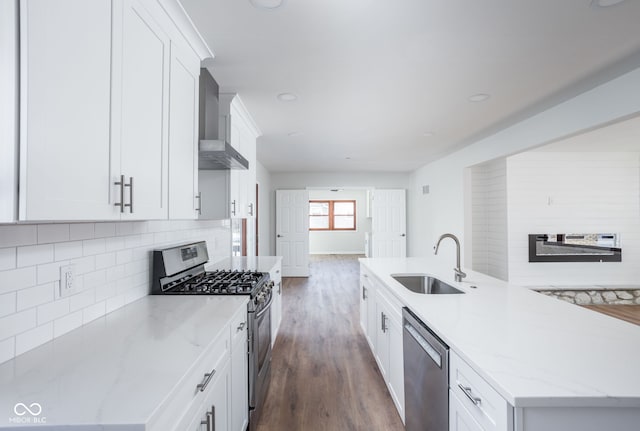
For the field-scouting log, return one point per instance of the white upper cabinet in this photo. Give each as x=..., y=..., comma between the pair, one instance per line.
x=140, y=111
x=9, y=110
x=65, y=86
x=108, y=110
x=184, y=200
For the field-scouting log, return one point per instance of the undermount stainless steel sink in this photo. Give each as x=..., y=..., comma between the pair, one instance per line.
x=423, y=283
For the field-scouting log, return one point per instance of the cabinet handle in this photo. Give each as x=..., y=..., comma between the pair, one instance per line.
x=233, y=206
x=199, y=207
x=383, y=320
x=241, y=327
x=251, y=209
x=207, y=421
x=207, y=378
x=279, y=287
x=364, y=293
x=467, y=391
x=213, y=418
x=121, y=184
x=130, y=185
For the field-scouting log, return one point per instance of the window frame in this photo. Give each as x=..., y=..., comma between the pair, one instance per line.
x=332, y=215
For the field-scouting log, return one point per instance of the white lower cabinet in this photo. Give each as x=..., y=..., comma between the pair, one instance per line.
x=276, y=305
x=239, y=373
x=459, y=418
x=381, y=321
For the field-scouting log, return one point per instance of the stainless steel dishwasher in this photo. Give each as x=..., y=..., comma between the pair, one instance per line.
x=426, y=377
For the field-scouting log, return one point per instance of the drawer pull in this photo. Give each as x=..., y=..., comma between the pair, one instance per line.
x=207, y=378
x=241, y=327
x=467, y=391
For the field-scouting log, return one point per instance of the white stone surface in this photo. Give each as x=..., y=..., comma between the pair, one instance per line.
x=118, y=370
x=533, y=349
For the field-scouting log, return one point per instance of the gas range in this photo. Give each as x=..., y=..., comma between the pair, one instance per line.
x=180, y=271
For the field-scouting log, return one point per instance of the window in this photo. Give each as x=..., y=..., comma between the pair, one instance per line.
x=332, y=215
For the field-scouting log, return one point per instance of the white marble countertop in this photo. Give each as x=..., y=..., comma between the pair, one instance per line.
x=534, y=350
x=118, y=370
x=256, y=263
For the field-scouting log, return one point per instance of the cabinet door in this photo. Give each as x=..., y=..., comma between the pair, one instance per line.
x=65, y=81
x=218, y=401
x=239, y=385
x=372, y=319
x=183, y=124
x=396, y=362
x=140, y=109
x=382, y=339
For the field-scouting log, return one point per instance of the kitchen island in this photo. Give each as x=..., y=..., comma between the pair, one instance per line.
x=557, y=365
x=133, y=369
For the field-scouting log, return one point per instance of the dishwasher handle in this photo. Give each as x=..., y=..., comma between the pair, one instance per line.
x=428, y=348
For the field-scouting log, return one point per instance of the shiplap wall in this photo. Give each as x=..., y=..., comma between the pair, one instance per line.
x=112, y=268
x=573, y=192
x=489, y=253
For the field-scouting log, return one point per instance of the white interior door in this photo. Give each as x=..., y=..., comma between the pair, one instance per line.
x=292, y=231
x=389, y=224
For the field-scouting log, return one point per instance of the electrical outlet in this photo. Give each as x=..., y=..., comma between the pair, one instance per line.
x=67, y=280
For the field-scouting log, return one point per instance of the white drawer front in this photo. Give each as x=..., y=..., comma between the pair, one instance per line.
x=459, y=418
x=484, y=404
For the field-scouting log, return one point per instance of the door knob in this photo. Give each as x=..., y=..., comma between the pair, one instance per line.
x=403, y=234
x=279, y=236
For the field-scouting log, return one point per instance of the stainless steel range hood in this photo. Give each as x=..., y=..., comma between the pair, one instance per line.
x=215, y=151
x=216, y=154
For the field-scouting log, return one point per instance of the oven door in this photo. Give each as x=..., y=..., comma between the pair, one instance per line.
x=259, y=358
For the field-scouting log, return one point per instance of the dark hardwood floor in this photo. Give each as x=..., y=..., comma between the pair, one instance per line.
x=324, y=376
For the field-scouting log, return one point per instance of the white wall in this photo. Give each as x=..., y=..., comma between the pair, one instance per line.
x=574, y=192
x=488, y=189
x=112, y=267
x=263, y=177
x=344, y=180
x=442, y=210
x=341, y=242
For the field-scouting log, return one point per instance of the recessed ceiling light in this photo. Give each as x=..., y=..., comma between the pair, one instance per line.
x=480, y=97
x=266, y=4
x=292, y=134
x=605, y=3
x=428, y=134
x=347, y=158
x=287, y=97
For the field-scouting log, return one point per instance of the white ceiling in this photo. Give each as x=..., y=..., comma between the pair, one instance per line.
x=373, y=76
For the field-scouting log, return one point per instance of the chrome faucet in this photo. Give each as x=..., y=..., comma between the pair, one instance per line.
x=459, y=274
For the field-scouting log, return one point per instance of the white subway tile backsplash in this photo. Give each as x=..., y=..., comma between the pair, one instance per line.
x=7, y=258
x=35, y=255
x=115, y=302
x=105, y=230
x=16, y=279
x=82, y=299
x=16, y=323
x=49, y=233
x=52, y=310
x=16, y=235
x=49, y=272
x=7, y=349
x=93, y=312
x=67, y=250
x=80, y=231
x=8, y=304
x=114, y=244
x=93, y=246
x=34, y=296
x=67, y=323
x=105, y=260
x=112, y=268
x=34, y=338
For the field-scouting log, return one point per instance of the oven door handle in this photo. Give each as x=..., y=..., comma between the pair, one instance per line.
x=266, y=308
